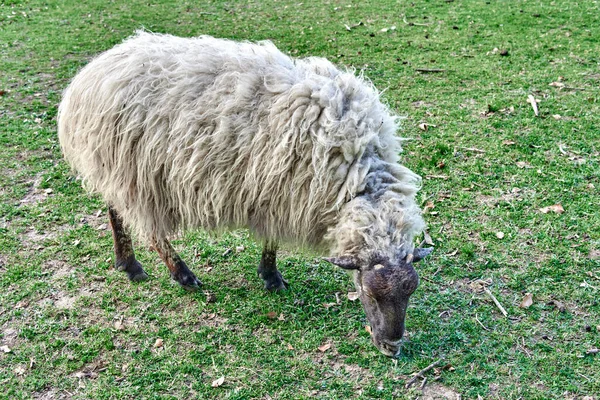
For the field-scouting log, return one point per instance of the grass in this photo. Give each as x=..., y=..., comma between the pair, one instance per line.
x=77, y=329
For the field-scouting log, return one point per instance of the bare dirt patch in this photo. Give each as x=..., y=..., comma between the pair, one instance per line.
x=435, y=391
x=35, y=194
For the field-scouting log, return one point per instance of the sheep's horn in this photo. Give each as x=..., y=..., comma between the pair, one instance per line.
x=420, y=253
x=345, y=262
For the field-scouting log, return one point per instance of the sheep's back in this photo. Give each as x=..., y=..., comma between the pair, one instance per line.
x=182, y=133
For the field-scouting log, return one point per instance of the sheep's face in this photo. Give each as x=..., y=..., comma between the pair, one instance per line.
x=384, y=289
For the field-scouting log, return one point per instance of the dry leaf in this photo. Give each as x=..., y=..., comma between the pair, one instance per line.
x=427, y=238
x=271, y=315
x=531, y=100
x=281, y=317
x=119, y=326
x=508, y=142
x=560, y=306
x=239, y=249
x=218, y=382
x=425, y=126
x=428, y=206
x=19, y=370
x=352, y=296
x=593, y=351
x=48, y=191
x=500, y=235
x=324, y=347
x=158, y=343
x=290, y=347
x=368, y=329
x=556, y=208
x=5, y=349
x=527, y=301
x=556, y=116
x=557, y=84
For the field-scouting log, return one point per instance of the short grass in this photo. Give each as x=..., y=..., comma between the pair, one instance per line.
x=76, y=328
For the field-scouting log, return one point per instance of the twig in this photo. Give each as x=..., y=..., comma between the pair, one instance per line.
x=425, y=382
x=496, y=302
x=421, y=372
x=429, y=70
x=479, y=322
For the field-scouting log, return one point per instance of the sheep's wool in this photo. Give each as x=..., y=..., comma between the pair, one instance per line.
x=180, y=133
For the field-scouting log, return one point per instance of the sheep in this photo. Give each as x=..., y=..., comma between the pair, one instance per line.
x=204, y=133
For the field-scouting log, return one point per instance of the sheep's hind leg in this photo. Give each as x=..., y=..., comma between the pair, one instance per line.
x=267, y=269
x=179, y=270
x=124, y=255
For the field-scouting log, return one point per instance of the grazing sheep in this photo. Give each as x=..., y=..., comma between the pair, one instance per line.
x=177, y=133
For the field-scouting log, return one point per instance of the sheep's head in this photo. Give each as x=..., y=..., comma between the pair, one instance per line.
x=384, y=288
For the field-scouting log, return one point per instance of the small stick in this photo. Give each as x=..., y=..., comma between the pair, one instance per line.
x=479, y=322
x=496, y=302
x=431, y=70
x=425, y=382
x=421, y=372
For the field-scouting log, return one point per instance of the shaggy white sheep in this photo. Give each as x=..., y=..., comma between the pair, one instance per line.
x=180, y=133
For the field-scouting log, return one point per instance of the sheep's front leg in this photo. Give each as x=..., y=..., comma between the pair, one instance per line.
x=267, y=269
x=124, y=255
x=179, y=270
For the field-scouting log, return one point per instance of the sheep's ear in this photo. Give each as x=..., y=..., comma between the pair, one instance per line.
x=420, y=253
x=345, y=262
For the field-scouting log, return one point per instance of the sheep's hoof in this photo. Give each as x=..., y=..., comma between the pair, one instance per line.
x=188, y=281
x=134, y=269
x=275, y=282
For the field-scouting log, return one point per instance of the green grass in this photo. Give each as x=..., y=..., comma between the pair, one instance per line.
x=77, y=329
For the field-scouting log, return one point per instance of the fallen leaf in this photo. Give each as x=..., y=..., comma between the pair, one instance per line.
x=324, y=347
x=593, y=351
x=531, y=100
x=119, y=325
x=560, y=306
x=424, y=126
x=427, y=237
x=290, y=347
x=556, y=116
x=5, y=349
x=271, y=315
x=281, y=317
x=20, y=370
x=352, y=296
x=556, y=208
x=48, y=191
x=428, y=206
x=500, y=235
x=527, y=301
x=158, y=343
x=368, y=329
x=239, y=249
x=557, y=84
x=508, y=142
x=210, y=297
x=218, y=382
x=102, y=227
x=523, y=164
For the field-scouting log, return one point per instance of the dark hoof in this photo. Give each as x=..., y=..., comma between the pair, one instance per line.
x=134, y=269
x=274, y=282
x=138, y=277
x=188, y=281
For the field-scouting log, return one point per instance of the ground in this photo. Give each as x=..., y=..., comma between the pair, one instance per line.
x=510, y=197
